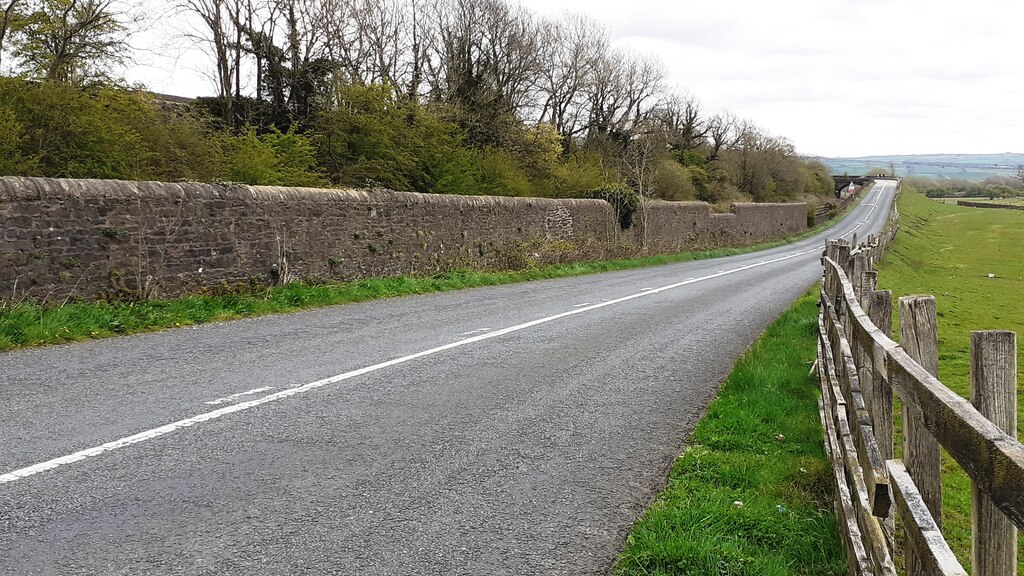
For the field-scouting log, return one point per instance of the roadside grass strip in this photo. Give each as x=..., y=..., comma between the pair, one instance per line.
x=949, y=252
x=752, y=493
x=27, y=324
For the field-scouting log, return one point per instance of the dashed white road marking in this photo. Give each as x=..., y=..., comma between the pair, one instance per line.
x=581, y=305
x=232, y=397
x=474, y=331
x=295, y=390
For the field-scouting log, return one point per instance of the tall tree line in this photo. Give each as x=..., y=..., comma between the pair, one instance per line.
x=488, y=60
x=478, y=96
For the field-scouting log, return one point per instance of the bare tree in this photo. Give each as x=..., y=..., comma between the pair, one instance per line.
x=380, y=26
x=722, y=134
x=764, y=166
x=420, y=32
x=380, y=41
x=217, y=36
x=302, y=61
x=679, y=118
x=485, y=65
x=640, y=166
x=572, y=48
x=283, y=41
x=622, y=94
x=6, y=19
x=512, y=49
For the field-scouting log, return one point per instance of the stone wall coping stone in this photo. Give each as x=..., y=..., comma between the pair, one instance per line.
x=29, y=188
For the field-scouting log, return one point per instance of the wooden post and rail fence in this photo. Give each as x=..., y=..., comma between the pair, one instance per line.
x=860, y=369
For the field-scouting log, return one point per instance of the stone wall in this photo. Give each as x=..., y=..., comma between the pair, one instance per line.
x=100, y=238
x=970, y=204
x=679, y=226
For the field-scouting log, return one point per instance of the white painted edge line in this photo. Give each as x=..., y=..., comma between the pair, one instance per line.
x=289, y=392
x=227, y=399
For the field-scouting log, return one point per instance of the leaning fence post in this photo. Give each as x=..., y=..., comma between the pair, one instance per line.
x=994, y=394
x=919, y=336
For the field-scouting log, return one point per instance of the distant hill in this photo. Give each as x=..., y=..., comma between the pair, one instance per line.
x=939, y=166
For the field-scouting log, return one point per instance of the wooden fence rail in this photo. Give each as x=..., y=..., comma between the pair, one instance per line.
x=859, y=369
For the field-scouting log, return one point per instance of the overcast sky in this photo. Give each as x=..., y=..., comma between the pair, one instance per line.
x=837, y=77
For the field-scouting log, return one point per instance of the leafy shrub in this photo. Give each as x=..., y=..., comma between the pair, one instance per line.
x=375, y=134
x=673, y=181
x=625, y=201
x=817, y=179
x=274, y=158
x=74, y=132
x=11, y=159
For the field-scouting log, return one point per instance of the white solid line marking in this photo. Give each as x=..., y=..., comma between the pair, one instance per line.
x=289, y=392
x=227, y=399
x=870, y=212
x=174, y=426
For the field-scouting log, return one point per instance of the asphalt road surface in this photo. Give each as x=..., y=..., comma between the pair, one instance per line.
x=518, y=429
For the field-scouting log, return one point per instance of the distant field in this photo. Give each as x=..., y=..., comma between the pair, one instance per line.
x=1011, y=201
x=949, y=251
x=975, y=167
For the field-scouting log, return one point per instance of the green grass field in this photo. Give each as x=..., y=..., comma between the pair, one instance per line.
x=975, y=167
x=751, y=495
x=949, y=251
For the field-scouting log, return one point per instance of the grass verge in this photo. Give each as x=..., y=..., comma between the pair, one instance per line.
x=27, y=324
x=949, y=251
x=752, y=493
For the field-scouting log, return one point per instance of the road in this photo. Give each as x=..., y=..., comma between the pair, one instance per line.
x=518, y=429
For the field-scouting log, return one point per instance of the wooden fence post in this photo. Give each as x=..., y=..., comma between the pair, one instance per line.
x=859, y=267
x=919, y=337
x=843, y=258
x=881, y=398
x=869, y=281
x=994, y=394
x=880, y=312
x=865, y=354
x=831, y=249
